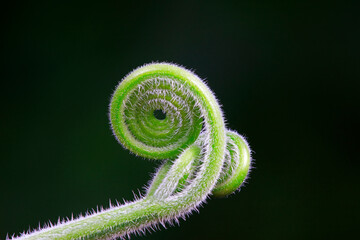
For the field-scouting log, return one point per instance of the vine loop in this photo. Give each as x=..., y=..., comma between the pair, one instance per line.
x=163, y=111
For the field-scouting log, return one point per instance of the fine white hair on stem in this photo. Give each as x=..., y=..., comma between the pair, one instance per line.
x=200, y=156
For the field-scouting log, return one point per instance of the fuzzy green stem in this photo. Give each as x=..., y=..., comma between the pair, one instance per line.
x=191, y=135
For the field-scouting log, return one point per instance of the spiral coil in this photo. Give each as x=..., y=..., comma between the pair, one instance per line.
x=155, y=87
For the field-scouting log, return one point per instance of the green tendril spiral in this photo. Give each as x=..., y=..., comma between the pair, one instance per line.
x=163, y=111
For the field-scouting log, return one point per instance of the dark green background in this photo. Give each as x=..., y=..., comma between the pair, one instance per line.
x=287, y=75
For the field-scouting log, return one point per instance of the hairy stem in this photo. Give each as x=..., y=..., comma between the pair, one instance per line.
x=200, y=156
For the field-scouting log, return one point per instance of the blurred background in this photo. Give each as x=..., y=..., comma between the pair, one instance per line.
x=286, y=73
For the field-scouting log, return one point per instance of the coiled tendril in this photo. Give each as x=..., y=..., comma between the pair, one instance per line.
x=200, y=155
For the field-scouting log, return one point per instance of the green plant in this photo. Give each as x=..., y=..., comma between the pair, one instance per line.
x=163, y=111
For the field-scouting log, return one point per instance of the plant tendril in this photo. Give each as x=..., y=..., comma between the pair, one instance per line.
x=163, y=111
